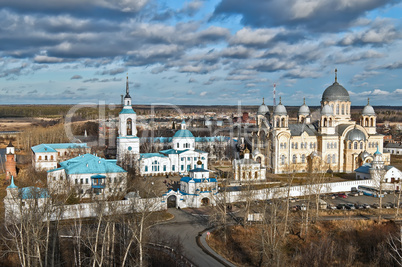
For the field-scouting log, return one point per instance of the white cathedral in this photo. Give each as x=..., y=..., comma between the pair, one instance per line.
x=331, y=138
x=181, y=158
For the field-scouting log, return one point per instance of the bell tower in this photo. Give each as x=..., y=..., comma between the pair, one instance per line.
x=128, y=143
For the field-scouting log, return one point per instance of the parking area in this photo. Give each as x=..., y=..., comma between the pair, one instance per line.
x=348, y=200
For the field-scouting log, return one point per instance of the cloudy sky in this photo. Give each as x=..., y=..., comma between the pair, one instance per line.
x=199, y=52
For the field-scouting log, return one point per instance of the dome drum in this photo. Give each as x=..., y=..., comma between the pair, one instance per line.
x=356, y=135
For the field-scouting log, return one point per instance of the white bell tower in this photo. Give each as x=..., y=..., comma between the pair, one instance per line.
x=128, y=144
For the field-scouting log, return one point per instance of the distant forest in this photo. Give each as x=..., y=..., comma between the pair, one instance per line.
x=390, y=113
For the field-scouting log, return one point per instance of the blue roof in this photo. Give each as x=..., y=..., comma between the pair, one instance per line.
x=98, y=176
x=12, y=185
x=188, y=179
x=183, y=134
x=42, y=148
x=32, y=192
x=173, y=151
x=200, y=151
x=150, y=155
x=89, y=163
x=127, y=111
x=365, y=168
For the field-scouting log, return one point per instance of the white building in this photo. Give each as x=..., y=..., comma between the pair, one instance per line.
x=391, y=176
x=89, y=176
x=393, y=148
x=47, y=156
x=128, y=144
x=248, y=169
x=181, y=158
x=196, y=190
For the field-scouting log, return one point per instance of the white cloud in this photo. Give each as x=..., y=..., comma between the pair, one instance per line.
x=203, y=93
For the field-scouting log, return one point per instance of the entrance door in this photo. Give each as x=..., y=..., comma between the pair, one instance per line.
x=171, y=201
x=205, y=201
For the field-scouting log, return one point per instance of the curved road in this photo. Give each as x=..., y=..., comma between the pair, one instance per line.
x=187, y=227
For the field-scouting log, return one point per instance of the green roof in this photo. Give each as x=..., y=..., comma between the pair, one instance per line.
x=89, y=163
x=127, y=111
x=183, y=133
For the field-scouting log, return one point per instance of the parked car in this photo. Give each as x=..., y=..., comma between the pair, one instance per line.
x=303, y=207
x=342, y=195
x=341, y=207
x=331, y=207
x=366, y=206
x=386, y=206
x=292, y=200
x=294, y=208
x=359, y=206
x=333, y=196
x=353, y=194
x=376, y=206
x=350, y=206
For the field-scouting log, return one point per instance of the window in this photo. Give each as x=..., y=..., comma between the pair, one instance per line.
x=51, y=157
x=294, y=159
x=182, y=159
x=361, y=145
x=337, y=109
x=332, y=145
x=129, y=126
x=195, y=158
x=343, y=109
x=283, y=160
x=177, y=145
x=173, y=169
x=295, y=145
x=195, y=166
x=81, y=181
x=335, y=145
x=301, y=145
x=328, y=159
x=164, y=168
x=45, y=157
x=369, y=145
x=182, y=167
x=188, y=158
x=311, y=146
x=355, y=145
x=327, y=145
x=40, y=158
x=281, y=146
x=334, y=158
x=350, y=145
x=86, y=180
x=146, y=168
x=76, y=181
x=303, y=158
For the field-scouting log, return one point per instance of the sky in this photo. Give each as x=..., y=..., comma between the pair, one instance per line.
x=217, y=52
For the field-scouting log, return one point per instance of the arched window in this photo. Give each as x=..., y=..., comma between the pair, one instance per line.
x=45, y=157
x=146, y=168
x=294, y=159
x=303, y=158
x=343, y=109
x=325, y=122
x=281, y=145
x=40, y=158
x=284, y=145
x=129, y=126
x=330, y=122
x=335, y=145
x=283, y=159
x=328, y=159
x=155, y=166
x=311, y=145
x=278, y=122
x=337, y=109
x=327, y=145
x=369, y=145
x=283, y=123
x=301, y=145
x=361, y=145
x=372, y=122
x=355, y=145
x=334, y=158
x=332, y=145
x=295, y=145
x=51, y=157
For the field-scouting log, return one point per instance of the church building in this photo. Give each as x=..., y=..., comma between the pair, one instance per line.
x=329, y=142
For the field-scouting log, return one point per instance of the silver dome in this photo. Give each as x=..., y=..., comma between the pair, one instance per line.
x=304, y=109
x=335, y=92
x=263, y=109
x=356, y=135
x=368, y=109
x=364, y=155
x=327, y=110
x=280, y=109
